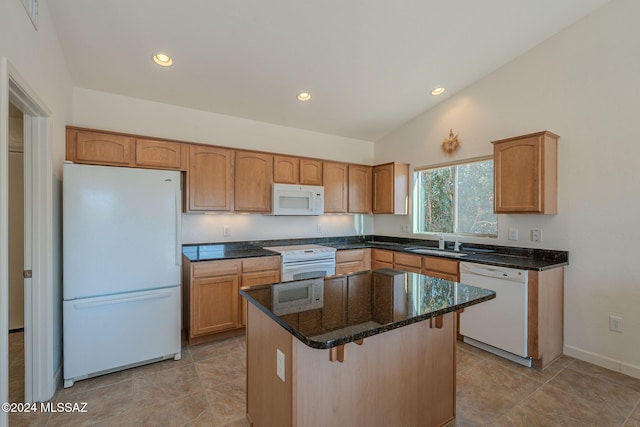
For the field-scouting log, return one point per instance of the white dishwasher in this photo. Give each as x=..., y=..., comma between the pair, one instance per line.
x=499, y=325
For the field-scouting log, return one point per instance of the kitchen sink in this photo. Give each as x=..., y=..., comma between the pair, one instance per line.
x=438, y=252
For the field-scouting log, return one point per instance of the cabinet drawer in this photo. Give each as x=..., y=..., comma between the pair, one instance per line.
x=350, y=267
x=381, y=255
x=440, y=264
x=215, y=268
x=414, y=261
x=261, y=264
x=260, y=278
x=351, y=255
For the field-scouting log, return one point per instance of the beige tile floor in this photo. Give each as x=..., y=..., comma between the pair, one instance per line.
x=207, y=388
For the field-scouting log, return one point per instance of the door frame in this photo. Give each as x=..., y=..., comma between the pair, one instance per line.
x=40, y=378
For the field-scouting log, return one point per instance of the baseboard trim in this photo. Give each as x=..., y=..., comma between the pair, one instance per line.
x=603, y=361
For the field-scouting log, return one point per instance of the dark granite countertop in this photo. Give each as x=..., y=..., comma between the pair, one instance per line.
x=386, y=299
x=503, y=256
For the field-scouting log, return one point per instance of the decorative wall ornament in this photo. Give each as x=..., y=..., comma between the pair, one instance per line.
x=451, y=143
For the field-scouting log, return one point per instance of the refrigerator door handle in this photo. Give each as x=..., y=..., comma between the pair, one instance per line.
x=178, y=228
x=120, y=300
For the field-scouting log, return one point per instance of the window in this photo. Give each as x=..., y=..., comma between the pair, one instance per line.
x=456, y=198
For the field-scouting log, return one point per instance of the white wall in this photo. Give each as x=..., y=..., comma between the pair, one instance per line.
x=584, y=85
x=37, y=57
x=102, y=110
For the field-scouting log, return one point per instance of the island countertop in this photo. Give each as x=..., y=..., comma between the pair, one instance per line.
x=359, y=305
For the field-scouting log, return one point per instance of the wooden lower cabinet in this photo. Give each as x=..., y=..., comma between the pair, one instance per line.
x=213, y=298
x=381, y=258
x=403, y=377
x=212, y=307
x=407, y=262
x=353, y=260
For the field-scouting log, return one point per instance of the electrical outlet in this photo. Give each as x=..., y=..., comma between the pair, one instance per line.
x=615, y=323
x=404, y=228
x=319, y=229
x=513, y=233
x=536, y=235
x=280, y=364
x=225, y=231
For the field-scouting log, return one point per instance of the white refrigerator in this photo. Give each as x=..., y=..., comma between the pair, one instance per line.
x=121, y=268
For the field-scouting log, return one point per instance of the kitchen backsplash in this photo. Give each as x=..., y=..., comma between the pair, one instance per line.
x=209, y=228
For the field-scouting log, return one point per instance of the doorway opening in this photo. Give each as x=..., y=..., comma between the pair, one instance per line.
x=16, y=255
x=41, y=266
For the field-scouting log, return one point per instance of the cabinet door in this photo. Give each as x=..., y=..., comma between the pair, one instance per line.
x=99, y=148
x=286, y=170
x=360, y=189
x=214, y=305
x=335, y=187
x=383, y=189
x=159, y=154
x=334, y=314
x=253, y=178
x=525, y=174
x=210, y=179
x=310, y=172
x=381, y=258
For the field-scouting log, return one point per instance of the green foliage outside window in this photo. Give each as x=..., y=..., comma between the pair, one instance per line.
x=456, y=199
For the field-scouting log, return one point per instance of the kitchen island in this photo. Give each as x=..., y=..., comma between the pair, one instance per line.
x=374, y=348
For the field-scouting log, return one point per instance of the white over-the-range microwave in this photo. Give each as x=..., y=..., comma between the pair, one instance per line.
x=292, y=199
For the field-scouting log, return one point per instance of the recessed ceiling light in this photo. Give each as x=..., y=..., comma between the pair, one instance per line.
x=437, y=91
x=304, y=96
x=162, y=59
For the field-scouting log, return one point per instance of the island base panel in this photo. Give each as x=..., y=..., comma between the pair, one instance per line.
x=402, y=377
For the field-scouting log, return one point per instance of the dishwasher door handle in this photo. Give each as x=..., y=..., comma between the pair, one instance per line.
x=498, y=273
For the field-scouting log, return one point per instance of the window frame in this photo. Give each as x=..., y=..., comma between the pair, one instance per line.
x=418, y=216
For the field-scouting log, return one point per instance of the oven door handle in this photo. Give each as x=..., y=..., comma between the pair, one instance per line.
x=297, y=265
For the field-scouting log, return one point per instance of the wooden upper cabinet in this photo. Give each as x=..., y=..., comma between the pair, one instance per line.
x=253, y=178
x=294, y=170
x=99, y=148
x=391, y=188
x=286, y=170
x=336, y=181
x=210, y=179
x=525, y=174
x=160, y=154
x=310, y=172
x=360, y=189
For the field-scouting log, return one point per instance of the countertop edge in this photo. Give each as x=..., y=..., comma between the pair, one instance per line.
x=324, y=345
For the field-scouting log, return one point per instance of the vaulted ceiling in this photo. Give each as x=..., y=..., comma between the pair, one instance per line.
x=370, y=65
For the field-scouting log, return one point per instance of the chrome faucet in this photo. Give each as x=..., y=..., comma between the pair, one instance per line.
x=441, y=242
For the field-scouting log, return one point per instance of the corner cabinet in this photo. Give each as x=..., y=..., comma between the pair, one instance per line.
x=526, y=174
x=391, y=188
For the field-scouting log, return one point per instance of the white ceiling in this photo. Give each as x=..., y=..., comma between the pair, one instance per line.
x=369, y=64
